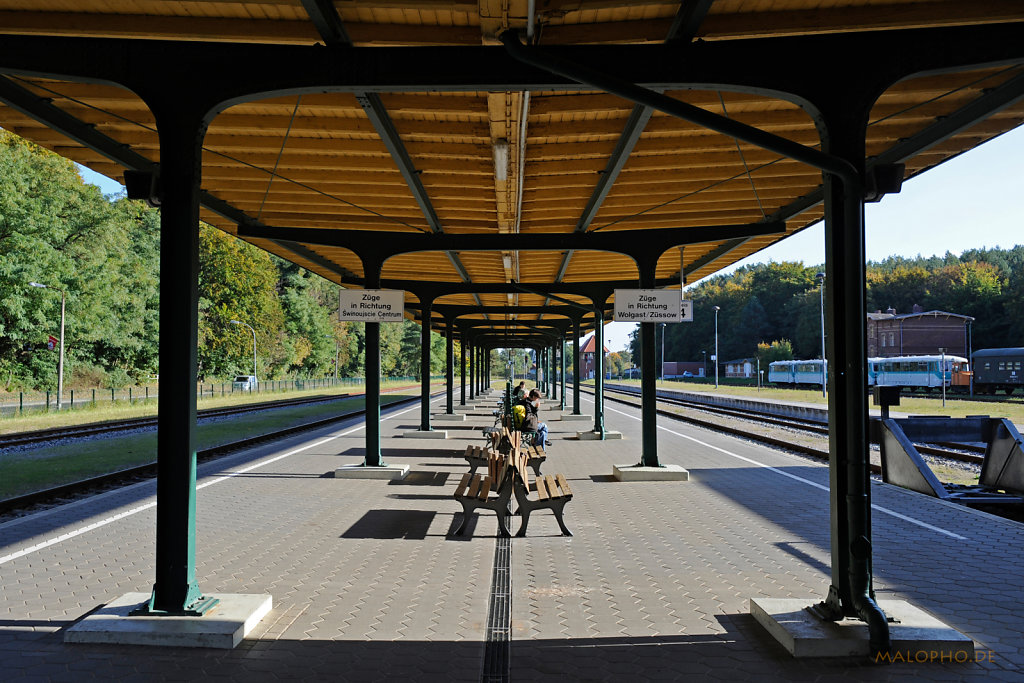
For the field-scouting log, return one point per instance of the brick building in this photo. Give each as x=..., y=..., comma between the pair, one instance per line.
x=918, y=333
x=587, y=358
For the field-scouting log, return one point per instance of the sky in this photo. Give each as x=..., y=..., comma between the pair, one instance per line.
x=973, y=201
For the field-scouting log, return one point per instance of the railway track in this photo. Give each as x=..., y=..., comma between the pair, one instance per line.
x=964, y=453
x=80, y=431
x=66, y=492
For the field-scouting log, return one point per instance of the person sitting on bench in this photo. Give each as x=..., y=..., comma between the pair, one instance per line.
x=520, y=393
x=531, y=421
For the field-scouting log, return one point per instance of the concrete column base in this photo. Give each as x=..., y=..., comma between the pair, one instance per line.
x=916, y=635
x=569, y=417
x=595, y=436
x=363, y=472
x=464, y=409
x=640, y=473
x=222, y=627
x=421, y=434
x=450, y=417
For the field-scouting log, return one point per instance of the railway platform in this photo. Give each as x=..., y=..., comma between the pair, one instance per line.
x=369, y=583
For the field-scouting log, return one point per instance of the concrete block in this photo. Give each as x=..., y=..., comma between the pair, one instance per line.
x=569, y=417
x=420, y=434
x=363, y=472
x=594, y=436
x=916, y=635
x=638, y=473
x=464, y=409
x=450, y=417
x=222, y=627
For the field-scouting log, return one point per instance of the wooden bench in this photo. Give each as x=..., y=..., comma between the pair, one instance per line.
x=475, y=492
x=477, y=456
x=553, y=493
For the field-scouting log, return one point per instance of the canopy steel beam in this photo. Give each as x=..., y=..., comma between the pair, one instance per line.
x=655, y=241
x=237, y=72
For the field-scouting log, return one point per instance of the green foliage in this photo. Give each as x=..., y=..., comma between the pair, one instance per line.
x=780, y=349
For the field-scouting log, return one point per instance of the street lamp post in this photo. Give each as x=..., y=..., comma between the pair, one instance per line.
x=716, y=309
x=821, y=296
x=60, y=361
x=239, y=322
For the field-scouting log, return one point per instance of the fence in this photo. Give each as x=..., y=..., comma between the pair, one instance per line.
x=44, y=401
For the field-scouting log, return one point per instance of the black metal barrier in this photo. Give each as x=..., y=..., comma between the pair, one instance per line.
x=1002, y=472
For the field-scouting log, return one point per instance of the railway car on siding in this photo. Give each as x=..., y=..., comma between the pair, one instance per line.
x=795, y=372
x=998, y=370
x=923, y=372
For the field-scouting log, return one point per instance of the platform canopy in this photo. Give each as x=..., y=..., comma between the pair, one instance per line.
x=456, y=138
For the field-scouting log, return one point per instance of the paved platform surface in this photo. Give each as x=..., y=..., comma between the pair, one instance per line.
x=369, y=584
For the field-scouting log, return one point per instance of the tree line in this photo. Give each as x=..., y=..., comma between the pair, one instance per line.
x=773, y=310
x=103, y=253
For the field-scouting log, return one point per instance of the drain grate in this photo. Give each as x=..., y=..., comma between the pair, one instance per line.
x=497, y=666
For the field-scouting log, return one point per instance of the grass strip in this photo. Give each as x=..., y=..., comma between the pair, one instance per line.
x=42, y=468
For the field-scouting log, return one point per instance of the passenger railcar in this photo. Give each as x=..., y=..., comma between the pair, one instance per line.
x=795, y=372
x=998, y=370
x=914, y=372
x=919, y=371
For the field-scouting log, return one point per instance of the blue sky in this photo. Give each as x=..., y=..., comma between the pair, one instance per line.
x=975, y=200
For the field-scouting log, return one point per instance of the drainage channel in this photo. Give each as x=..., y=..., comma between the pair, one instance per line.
x=497, y=666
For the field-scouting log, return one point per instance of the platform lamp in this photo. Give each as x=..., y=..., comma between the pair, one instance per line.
x=705, y=355
x=824, y=368
x=716, y=309
x=239, y=322
x=60, y=361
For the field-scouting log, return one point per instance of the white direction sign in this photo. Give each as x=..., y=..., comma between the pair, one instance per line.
x=371, y=305
x=650, y=306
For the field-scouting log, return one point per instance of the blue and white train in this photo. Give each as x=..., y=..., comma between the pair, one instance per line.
x=795, y=372
x=903, y=371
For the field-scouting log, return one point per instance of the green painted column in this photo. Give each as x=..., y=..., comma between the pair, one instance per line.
x=425, y=364
x=373, y=457
x=577, y=333
x=449, y=364
x=175, y=590
x=462, y=368
x=561, y=360
x=599, y=369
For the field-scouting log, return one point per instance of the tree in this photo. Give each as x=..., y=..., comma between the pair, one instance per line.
x=238, y=281
x=780, y=349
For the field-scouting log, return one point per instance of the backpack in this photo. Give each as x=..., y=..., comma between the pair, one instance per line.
x=518, y=414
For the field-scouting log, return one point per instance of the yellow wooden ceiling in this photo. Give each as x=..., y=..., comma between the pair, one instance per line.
x=318, y=161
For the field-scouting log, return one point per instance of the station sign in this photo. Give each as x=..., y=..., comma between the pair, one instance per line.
x=652, y=306
x=371, y=305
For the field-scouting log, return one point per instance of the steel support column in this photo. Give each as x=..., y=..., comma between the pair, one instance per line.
x=449, y=365
x=372, y=458
x=462, y=367
x=561, y=361
x=425, y=362
x=175, y=590
x=472, y=370
x=648, y=376
x=851, y=592
x=599, y=368
x=577, y=332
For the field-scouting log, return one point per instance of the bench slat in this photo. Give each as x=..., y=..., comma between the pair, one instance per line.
x=474, y=487
x=484, y=490
x=542, y=490
x=564, y=485
x=462, y=484
x=552, y=487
